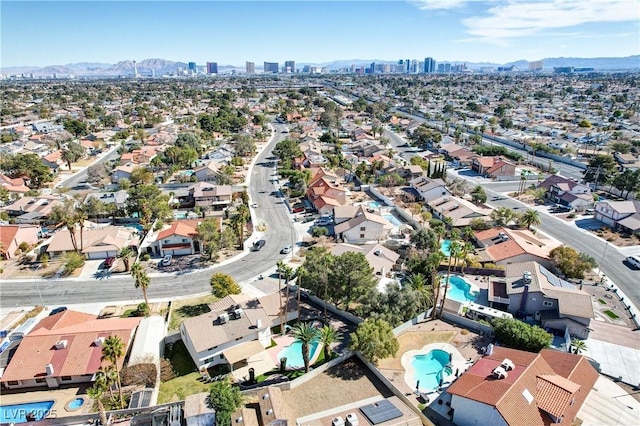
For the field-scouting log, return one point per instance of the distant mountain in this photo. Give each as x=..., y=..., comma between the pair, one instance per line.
x=164, y=66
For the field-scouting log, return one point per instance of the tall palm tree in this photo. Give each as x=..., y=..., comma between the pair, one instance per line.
x=125, y=254
x=306, y=334
x=284, y=271
x=466, y=249
x=433, y=261
x=106, y=376
x=112, y=351
x=327, y=336
x=80, y=217
x=420, y=284
x=454, y=253
x=142, y=280
x=95, y=392
x=530, y=217
x=70, y=223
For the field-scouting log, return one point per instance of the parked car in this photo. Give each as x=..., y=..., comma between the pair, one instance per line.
x=258, y=245
x=297, y=208
x=254, y=205
x=633, y=261
x=109, y=262
x=166, y=261
x=286, y=250
x=58, y=310
x=324, y=221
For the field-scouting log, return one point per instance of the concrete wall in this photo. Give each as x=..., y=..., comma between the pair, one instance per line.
x=378, y=195
x=422, y=317
x=467, y=323
x=406, y=217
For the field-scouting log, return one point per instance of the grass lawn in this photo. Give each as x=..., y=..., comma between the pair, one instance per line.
x=180, y=359
x=611, y=314
x=414, y=340
x=180, y=387
x=602, y=302
x=182, y=309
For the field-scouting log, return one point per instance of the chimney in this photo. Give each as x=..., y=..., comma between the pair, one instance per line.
x=526, y=278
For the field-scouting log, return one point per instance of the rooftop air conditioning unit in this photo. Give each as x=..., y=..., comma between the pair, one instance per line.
x=99, y=341
x=48, y=369
x=269, y=412
x=337, y=421
x=377, y=252
x=352, y=419
x=499, y=373
x=507, y=364
x=223, y=318
x=61, y=344
x=527, y=277
x=238, y=313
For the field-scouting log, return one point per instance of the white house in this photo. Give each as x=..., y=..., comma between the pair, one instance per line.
x=366, y=226
x=429, y=189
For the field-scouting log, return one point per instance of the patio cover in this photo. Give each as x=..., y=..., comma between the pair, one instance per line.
x=242, y=351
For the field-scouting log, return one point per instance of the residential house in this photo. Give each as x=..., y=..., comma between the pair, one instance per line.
x=460, y=211
x=47, y=127
x=33, y=210
x=237, y=329
x=65, y=348
x=54, y=161
x=380, y=258
x=627, y=161
x=513, y=387
x=457, y=153
x=208, y=172
x=408, y=172
x=123, y=172
x=566, y=192
x=209, y=196
x=16, y=187
x=533, y=291
x=178, y=240
x=429, y=189
x=493, y=167
x=366, y=226
x=11, y=236
x=620, y=215
x=504, y=246
x=118, y=198
x=221, y=155
x=94, y=243
x=324, y=192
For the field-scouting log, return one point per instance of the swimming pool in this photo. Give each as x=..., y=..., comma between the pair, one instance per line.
x=135, y=226
x=391, y=218
x=76, y=403
x=431, y=369
x=17, y=413
x=445, y=247
x=293, y=353
x=460, y=290
x=375, y=204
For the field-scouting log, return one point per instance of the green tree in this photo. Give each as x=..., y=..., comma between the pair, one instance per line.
x=224, y=399
x=29, y=165
x=572, y=263
x=578, y=345
x=425, y=239
x=149, y=202
x=628, y=181
x=77, y=127
x=96, y=392
x=502, y=216
x=141, y=280
x=455, y=250
x=328, y=336
x=420, y=283
x=350, y=278
x=478, y=195
x=125, y=254
x=516, y=334
x=113, y=350
x=315, y=273
x=600, y=168
x=286, y=151
x=306, y=334
x=375, y=340
x=141, y=175
x=208, y=233
x=529, y=218
x=223, y=285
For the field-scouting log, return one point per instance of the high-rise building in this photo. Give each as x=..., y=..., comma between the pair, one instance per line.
x=290, y=67
x=407, y=64
x=192, y=68
x=212, y=68
x=135, y=70
x=250, y=67
x=429, y=65
x=271, y=67
x=536, y=66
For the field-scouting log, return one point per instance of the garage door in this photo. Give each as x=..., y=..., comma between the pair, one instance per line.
x=97, y=255
x=177, y=252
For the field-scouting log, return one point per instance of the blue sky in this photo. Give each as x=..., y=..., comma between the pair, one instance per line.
x=232, y=32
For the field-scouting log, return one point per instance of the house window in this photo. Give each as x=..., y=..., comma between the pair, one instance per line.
x=66, y=378
x=13, y=383
x=363, y=228
x=361, y=235
x=40, y=380
x=166, y=241
x=184, y=240
x=547, y=304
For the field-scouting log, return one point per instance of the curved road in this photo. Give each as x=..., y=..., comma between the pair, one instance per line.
x=271, y=212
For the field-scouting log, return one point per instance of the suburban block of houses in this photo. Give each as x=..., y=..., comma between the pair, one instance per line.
x=95, y=243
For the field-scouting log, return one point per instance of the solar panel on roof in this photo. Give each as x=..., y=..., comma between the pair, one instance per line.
x=555, y=281
x=380, y=412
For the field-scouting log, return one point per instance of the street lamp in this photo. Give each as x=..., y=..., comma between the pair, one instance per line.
x=35, y=281
x=603, y=254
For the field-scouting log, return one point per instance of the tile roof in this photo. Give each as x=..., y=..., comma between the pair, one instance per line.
x=80, y=357
x=108, y=238
x=178, y=228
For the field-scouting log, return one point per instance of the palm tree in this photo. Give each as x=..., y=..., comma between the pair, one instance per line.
x=106, y=376
x=95, y=392
x=454, y=252
x=286, y=272
x=433, y=261
x=530, y=217
x=306, y=334
x=125, y=254
x=142, y=280
x=419, y=283
x=70, y=223
x=80, y=217
x=112, y=351
x=466, y=249
x=578, y=345
x=329, y=335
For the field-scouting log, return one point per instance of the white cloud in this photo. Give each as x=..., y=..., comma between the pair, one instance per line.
x=513, y=18
x=438, y=4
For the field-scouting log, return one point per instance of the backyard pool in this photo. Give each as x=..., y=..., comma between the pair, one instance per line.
x=460, y=290
x=135, y=226
x=293, y=353
x=75, y=404
x=375, y=204
x=17, y=413
x=392, y=219
x=444, y=247
x=431, y=368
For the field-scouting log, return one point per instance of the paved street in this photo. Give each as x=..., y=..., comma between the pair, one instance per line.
x=271, y=212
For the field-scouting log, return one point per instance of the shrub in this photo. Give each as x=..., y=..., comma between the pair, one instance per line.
x=145, y=257
x=222, y=285
x=319, y=231
x=44, y=259
x=142, y=310
x=73, y=261
x=139, y=375
x=166, y=370
x=24, y=246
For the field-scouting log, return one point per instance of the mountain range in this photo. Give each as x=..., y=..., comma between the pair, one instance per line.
x=163, y=66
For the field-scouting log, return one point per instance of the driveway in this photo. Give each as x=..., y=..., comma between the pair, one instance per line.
x=615, y=360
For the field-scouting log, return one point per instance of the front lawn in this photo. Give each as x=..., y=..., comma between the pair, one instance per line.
x=183, y=309
x=179, y=388
x=611, y=314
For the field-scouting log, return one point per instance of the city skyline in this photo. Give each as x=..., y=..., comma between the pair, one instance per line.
x=231, y=33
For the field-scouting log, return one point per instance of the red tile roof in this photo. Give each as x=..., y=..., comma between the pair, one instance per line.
x=178, y=228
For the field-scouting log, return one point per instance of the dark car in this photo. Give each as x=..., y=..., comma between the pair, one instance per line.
x=108, y=262
x=58, y=310
x=258, y=245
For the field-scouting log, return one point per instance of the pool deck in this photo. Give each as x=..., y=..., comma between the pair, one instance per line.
x=61, y=398
x=458, y=365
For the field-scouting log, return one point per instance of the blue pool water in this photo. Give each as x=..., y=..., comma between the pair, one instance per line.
x=135, y=226
x=180, y=215
x=444, y=247
x=17, y=413
x=76, y=403
x=430, y=367
x=293, y=353
x=375, y=204
x=460, y=290
x=391, y=218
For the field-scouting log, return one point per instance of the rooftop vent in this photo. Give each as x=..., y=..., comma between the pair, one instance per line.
x=269, y=412
x=337, y=421
x=352, y=419
x=98, y=342
x=61, y=344
x=527, y=277
x=507, y=364
x=377, y=252
x=499, y=373
x=223, y=318
x=238, y=313
x=48, y=369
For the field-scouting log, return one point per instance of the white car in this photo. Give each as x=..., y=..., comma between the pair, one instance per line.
x=166, y=261
x=254, y=205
